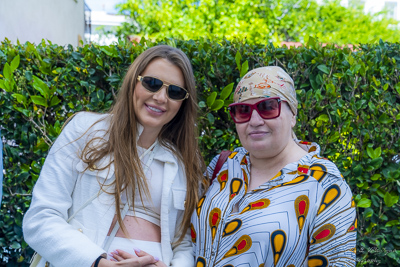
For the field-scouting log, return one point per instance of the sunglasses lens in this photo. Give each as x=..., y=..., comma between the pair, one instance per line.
x=152, y=84
x=176, y=92
x=242, y=113
x=268, y=109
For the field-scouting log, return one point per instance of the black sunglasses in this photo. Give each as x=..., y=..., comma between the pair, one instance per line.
x=269, y=108
x=153, y=85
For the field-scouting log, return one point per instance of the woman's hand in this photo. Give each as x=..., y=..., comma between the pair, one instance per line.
x=141, y=259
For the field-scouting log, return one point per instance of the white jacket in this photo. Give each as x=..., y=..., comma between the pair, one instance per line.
x=63, y=187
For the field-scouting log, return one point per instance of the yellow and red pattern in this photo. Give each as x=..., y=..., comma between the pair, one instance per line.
x=318, y=171
x=201, y=262
x=201, y=201
x=214, y=219
x=232, y=227
x=301, y=206
x=232, y=155
x=323, y=233
x=222, y=179
x=236, y=185
x=193, y=233
x=257, y=205
x=241, y=245
x=353, y=226
x=278, y=243
x=317, y=261
x=297, y=180
x=331, y=194
x=246, y=179
x=277, y=175
x=243, y=161
x=302, y=169
x=305, y=143
x=312, y=149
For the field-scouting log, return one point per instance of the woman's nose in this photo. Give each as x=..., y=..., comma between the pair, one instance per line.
x=161, y=95
x=255, y=119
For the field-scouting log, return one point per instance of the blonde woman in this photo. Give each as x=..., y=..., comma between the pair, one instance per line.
x=125, y=182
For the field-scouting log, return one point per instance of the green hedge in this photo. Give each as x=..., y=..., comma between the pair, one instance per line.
x=349, y=103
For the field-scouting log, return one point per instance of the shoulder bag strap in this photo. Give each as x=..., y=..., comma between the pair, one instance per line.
x=221, y=160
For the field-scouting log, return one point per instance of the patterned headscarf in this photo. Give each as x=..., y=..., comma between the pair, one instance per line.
x=269, y=81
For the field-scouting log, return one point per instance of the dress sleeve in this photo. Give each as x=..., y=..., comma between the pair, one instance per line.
x=332, y=240
x=44, y=225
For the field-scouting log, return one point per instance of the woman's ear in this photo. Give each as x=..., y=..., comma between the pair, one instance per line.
x=293, y=120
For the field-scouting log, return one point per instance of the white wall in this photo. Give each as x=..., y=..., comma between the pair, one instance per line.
x=60, y=21
x=374, y=6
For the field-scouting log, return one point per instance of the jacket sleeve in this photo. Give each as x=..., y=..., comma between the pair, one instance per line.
x=44, y=225
x=333, y=235
x=183, y=252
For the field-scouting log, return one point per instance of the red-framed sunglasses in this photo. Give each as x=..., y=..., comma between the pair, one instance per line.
x=268, y=109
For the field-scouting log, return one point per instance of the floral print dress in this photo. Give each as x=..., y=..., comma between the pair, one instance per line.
x=304, y=216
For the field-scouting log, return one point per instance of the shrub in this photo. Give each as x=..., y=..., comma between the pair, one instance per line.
x=349, y=104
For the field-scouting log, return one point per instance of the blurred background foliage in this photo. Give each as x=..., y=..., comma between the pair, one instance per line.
x=256, y=21
x=349, y=102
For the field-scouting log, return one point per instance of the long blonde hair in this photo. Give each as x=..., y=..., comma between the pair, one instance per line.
x=179, y=135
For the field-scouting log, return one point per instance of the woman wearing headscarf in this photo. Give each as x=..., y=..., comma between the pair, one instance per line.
x=276, y=201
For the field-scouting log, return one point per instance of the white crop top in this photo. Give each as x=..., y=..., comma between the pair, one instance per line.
x=150, y=209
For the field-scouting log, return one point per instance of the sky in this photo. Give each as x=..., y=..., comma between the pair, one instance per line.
x=103, y=5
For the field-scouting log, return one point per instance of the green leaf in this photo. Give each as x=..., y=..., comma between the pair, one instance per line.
x=350, y=59
x=323, y=117
x=374, y=153
x=375, y=163
x=41, y=87
x=38, y=100
x=99, y=61
x=217, y=104
x=245, y=68
x=364, y=203
x=210, y=118
x=392, y=223
x=238, y=58
x=54, y=101
x=333, y=138
x=311, y=42
x=384, y=118
x=15, y=63
x=202, y=104
x=211, y=99
x=15, y=245
x=7, y=71
x=28, y=75
x=390, y=199
x=2, y=86
x=226, y=91
x=323, y=68
x=100, y=94
x=21, y=99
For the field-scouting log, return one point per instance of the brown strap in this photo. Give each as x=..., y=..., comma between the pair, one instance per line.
x=221, y=160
